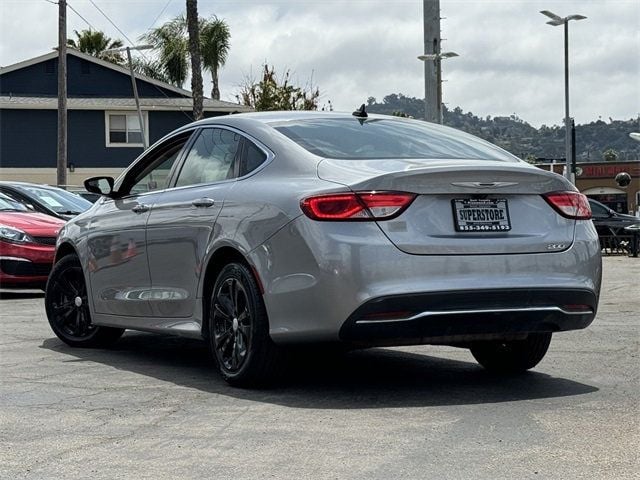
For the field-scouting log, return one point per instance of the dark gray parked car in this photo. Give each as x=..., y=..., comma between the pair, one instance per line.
x=260, y=231
x=46, y=199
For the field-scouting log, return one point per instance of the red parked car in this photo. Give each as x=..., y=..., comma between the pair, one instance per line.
x=27, y=245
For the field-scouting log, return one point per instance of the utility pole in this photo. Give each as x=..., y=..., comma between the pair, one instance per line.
x=432, y=104
x=61, y=164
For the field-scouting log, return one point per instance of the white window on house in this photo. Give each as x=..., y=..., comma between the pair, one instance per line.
x=122, y=129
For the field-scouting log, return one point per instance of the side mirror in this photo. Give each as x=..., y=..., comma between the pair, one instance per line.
x=99, y=185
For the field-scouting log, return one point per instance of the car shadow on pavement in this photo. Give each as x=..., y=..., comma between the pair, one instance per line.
x=374, y=378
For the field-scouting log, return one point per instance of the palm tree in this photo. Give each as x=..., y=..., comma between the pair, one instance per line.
x=95, y=43
x=150, y=68
x=193, y=27
x=170, y=40
x=172, y=43
x=214, y=48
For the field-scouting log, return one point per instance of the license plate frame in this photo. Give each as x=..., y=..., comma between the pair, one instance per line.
x=481, y=215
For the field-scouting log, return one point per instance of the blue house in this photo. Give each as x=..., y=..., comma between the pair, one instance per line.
x=104, y=133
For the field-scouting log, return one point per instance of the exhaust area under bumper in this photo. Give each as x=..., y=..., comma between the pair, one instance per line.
x=456, y=317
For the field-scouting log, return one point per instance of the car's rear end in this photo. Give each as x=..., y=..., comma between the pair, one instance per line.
x=464, y=245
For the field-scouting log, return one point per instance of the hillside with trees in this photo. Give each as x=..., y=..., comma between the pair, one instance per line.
x=522, y=139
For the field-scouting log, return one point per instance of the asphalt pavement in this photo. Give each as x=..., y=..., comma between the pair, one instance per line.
x=152, y=407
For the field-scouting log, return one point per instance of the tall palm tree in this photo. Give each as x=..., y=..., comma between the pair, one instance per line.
x=95, y=42
x=172, y=44
x=193, y=27
x=214, y=48
x=170, y=40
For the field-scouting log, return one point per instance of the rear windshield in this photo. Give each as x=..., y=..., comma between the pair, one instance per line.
x=351, y=139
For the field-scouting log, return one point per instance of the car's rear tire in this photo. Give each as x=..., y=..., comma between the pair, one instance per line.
x=239, y=336
x=67, y=307
x=512, y=356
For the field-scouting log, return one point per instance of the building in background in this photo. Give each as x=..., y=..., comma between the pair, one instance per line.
x=104, y=134
x=597, y=181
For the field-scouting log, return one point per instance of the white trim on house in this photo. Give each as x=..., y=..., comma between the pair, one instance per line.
x=107, y=136
x=95, y=103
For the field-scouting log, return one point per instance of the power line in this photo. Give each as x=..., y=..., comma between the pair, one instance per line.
x=112, y=23
x=78, y=14
x=133, y=45
x=160, y=14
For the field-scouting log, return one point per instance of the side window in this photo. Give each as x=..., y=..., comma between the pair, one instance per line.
x=158, y=177
x=252, y=158
x=211, y=158
x=154, y=172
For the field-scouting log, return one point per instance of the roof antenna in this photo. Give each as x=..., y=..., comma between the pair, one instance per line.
x=360, y=113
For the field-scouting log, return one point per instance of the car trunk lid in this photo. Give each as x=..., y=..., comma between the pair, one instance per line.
x=469, y=207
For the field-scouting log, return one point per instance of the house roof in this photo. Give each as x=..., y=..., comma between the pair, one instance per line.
x=90, y=58
x=98, y=103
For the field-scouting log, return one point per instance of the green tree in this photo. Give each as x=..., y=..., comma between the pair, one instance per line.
x=150, y=68
x=95, y=42
x=610, y=155
x=214, y=48
x=271, y=93
x=172, y=44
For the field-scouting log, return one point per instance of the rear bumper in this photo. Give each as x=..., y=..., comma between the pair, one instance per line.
x=463, y=316
x=317, y=275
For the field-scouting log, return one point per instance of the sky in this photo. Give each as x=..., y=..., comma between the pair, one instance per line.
x=510, y=61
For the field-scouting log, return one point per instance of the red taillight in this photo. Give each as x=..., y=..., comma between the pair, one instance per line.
x=570, y=204
x=356, y=206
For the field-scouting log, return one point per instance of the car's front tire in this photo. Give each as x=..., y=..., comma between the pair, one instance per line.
x=239, y=330
x=67, y=307
x=512, y=356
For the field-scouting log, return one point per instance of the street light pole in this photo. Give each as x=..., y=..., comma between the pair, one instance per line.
x=145, y=143
x=567, y=137
x=555, y=21
x=437, y=61
x=431, y=19
x=135, y=95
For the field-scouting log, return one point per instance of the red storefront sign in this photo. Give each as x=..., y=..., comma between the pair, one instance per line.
x=608, y=171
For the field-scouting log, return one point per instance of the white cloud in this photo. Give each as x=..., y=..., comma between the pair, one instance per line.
x=510, y=61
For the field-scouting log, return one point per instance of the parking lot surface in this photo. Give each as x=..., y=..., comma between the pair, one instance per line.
x=152, y=407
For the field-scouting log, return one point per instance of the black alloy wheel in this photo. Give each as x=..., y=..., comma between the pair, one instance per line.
x=67, y=307
x=239, y=330
x=232, y=324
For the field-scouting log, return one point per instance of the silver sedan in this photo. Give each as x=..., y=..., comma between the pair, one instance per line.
x=260, y=231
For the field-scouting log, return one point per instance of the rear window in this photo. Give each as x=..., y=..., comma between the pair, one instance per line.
x=352, y=139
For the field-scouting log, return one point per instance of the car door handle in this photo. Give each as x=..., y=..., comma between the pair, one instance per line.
x=141, y=208
x=203, y=202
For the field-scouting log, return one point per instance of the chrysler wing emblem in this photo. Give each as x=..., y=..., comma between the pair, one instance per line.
x=484, y=184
